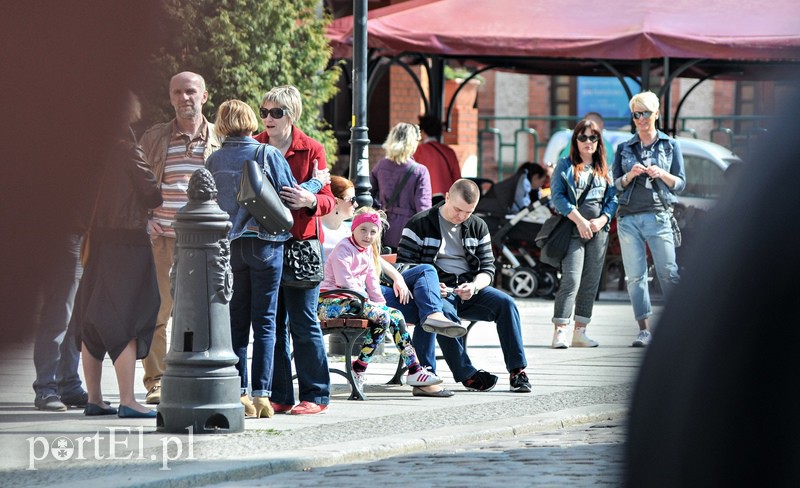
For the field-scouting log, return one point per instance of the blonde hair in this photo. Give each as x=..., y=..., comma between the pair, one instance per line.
x=288, y=98
x=235, y=118
x=376, y=244
x=646, y=99
x=401, y=142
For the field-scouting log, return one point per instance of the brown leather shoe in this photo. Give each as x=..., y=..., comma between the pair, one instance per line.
x=153, y=396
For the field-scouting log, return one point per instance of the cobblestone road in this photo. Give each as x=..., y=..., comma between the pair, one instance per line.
x=588, y=455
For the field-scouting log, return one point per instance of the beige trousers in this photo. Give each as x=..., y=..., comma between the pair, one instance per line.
x=154, y=365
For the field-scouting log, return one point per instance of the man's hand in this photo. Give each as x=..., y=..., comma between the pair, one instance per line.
x=298, y=197
x=465, y=291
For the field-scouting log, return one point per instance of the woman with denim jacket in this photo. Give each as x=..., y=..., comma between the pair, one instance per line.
x=647, y=168
x=256, y=255
x=585, y=170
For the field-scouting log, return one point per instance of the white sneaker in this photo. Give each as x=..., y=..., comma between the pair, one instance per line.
x=642, y=339
x=360, y=378
x=560, y=338
x=423, y=377
x=580, y=339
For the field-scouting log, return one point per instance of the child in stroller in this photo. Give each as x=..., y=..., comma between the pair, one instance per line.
x=514, y=213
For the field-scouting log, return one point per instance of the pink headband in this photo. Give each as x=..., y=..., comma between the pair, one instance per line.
x=366, y=217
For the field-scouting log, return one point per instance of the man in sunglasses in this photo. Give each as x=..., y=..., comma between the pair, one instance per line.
x=174, y=150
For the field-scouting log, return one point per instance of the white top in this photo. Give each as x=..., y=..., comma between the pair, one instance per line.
x=333, y=237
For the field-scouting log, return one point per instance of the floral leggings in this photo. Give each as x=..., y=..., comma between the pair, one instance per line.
x=380, y=318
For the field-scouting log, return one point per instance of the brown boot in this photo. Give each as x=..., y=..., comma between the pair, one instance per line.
x=249, y=409
x=263, y=407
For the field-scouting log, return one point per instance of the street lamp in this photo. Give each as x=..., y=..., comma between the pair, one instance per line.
x=359, y=141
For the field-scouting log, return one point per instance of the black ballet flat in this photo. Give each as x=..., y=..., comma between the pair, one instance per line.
x=93, y=409
x=129, y=413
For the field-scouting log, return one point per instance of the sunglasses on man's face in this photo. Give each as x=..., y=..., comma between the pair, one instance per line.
x=591, y=138
x=276, y=113
x=646, y=114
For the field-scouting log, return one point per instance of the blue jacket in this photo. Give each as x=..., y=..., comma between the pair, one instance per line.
x=563, y=193
x=226, y=166
x=668, y=156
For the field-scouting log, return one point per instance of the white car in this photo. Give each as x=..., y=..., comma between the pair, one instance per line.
x=704, y=164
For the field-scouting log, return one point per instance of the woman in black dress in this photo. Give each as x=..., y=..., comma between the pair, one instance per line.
x=118, y=298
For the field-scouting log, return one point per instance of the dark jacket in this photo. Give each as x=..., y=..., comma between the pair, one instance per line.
x=128, y=190
x=422, y=238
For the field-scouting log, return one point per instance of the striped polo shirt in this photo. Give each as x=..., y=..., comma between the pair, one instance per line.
x=184, y=157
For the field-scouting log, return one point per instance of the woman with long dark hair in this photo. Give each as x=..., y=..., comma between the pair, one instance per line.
x=585, y=170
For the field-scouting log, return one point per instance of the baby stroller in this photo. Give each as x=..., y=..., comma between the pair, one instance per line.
x=513, y=233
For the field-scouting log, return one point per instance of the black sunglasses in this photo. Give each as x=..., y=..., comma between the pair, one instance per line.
x=646, y=114
x=277, y=113
x=584, y=138
x=349, y=200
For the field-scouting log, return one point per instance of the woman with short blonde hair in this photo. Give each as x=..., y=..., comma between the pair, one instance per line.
x=648, y=172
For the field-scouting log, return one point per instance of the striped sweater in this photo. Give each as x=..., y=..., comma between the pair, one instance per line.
x=422, y=239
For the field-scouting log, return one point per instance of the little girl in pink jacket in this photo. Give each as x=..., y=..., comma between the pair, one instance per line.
x=353, y=265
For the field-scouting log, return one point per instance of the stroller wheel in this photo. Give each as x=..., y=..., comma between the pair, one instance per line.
x=548, y=282
x=523, y=282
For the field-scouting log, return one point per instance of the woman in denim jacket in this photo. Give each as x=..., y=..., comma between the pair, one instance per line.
x=647, y=168
x=585, y=170
x=256, y=255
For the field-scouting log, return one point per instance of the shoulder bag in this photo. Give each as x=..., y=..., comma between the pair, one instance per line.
x=554, y=236
x=258, y=196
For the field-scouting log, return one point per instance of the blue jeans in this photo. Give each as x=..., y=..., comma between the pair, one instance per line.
x=257, y=267
x=581, y=269
x=423, y=281
x=654, y=230
x=297, y=315
x=55, y=354
x=490, y=305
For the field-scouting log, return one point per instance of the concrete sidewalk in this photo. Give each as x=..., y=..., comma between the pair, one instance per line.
x=569, y=386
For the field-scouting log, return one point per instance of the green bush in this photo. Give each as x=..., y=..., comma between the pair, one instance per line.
x=243, y=48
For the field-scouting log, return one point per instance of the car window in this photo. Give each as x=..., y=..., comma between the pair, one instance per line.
x=704, y=178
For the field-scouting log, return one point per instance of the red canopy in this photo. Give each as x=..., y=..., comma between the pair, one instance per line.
x=745, y=30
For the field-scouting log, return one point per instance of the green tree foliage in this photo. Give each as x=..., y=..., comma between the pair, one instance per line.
x=243, y=48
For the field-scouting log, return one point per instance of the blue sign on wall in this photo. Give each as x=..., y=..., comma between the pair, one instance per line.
x=607, y=97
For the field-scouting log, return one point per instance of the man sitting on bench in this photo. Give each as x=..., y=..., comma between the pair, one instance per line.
x=458, y=244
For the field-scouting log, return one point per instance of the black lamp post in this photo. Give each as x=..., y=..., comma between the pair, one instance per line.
x=359, y=141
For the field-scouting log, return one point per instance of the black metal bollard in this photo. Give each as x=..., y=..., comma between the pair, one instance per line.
x=200, y=387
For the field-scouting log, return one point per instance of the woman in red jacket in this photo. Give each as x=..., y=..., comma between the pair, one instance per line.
x=297, y=307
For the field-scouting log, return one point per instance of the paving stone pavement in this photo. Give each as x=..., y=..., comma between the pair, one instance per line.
x=576, y=456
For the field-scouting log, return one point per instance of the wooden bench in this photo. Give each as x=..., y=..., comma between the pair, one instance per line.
x=351, y=329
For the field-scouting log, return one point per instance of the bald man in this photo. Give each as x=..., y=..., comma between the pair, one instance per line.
x=174, y=150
